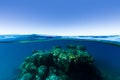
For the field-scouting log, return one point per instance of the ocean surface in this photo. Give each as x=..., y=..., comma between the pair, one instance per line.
x=15, y=48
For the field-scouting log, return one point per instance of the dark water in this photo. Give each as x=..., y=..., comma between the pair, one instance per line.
x=107, y=56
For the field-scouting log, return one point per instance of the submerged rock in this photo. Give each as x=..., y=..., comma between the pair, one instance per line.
x=72, y=63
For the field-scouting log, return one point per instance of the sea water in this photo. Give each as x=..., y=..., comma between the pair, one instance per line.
x=15, y=48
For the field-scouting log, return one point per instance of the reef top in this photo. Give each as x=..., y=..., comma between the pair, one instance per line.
x=72, y=63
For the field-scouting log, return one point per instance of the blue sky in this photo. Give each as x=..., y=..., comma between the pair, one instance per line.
x=60, y=17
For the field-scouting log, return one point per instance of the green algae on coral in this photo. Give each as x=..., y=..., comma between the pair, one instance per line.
x=72, y=63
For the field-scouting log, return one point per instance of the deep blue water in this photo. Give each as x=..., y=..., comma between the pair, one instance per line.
x=14, y=49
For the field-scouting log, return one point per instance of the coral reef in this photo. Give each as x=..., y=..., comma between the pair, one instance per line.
x=71, y=63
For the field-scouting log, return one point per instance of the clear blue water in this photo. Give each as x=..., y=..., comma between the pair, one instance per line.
x=15, y=48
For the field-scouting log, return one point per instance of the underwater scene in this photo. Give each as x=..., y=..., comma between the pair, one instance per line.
x=43, y=57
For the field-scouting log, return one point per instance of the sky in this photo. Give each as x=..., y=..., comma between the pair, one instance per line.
x=60, y=17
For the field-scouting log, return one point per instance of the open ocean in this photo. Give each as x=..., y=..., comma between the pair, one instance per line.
x=15, y=48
